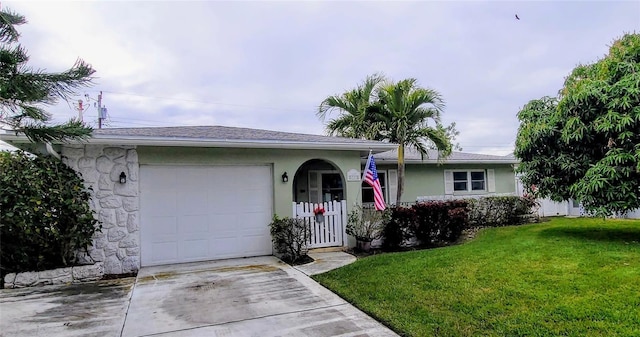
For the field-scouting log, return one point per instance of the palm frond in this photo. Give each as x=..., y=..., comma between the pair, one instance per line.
x=71, y=130
x=354, y=119
x=8, y=21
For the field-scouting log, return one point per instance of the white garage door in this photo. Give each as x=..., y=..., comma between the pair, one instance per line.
x=197, y=213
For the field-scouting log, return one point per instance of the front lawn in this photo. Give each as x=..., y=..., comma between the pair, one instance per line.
x=565, y=277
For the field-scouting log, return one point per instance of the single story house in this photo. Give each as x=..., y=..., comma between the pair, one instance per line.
x=183, y=194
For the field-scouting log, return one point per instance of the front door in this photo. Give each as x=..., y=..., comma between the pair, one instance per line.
x=325, y=186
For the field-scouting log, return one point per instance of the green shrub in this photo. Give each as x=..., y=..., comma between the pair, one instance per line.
x=501, y=211
x=440, y=221
x=429, y=222
x=458, y=222
x=365, y=224
x=45, y=217
x=290, y=237
x=430, y=217
x=399, y=227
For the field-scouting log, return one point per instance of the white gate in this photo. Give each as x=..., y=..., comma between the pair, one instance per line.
x=331, y=231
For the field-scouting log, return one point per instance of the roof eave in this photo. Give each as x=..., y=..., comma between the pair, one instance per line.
x=448, y=161
x=207, y=142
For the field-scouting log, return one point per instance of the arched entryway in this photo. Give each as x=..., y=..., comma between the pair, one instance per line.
x=318, y=181
x=320, y=184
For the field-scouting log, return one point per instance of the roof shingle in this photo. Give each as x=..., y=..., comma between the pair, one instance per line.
x=224, y=133
x=412, y=155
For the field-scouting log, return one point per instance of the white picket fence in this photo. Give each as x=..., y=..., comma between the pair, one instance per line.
x=330, y=232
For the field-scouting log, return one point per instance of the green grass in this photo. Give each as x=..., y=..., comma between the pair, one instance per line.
x=565, y=277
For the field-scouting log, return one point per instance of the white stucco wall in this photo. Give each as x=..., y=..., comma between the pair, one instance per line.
x=116, y=205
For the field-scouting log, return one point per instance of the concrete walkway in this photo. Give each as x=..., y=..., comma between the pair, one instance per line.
x=325, y=261
x=240, y=297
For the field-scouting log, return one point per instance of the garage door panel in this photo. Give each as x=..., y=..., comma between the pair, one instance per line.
x=194, y=224
x=196, y=213
x=225, y=246
x=254, y=244
x=162, y=176
x=221, y=222
x=164, y=202
x=194, y=249
x=193, y=203
x=252, y=199
x=164, y=225
x=252, y=221
x=163, y=252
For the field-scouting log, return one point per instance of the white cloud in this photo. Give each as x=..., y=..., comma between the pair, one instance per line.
x=269, y=64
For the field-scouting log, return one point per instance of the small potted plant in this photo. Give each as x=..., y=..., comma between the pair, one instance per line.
x=365, y=224
x=319, y=213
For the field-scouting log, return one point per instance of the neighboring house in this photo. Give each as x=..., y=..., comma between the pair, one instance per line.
x=571, y=207
x=548, y=207
x=183, y=194
x=461, y=175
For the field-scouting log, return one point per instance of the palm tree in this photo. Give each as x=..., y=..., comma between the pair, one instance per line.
x=24, y=92
x=405, y=109
x=354, y=105
x=396, y=112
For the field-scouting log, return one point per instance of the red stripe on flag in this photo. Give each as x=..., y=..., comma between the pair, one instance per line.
x=371, y=178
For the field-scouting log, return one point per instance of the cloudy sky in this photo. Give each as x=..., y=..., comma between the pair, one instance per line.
x=269, y=64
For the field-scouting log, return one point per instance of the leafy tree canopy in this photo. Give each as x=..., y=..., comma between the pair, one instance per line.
x=24, y=92
x=585, y=144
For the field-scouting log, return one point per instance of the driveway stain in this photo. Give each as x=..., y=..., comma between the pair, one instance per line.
x=81, y=306
x=227, y=294
x=174, y=274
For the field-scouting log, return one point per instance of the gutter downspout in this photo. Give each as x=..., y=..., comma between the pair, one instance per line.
x=51, y=151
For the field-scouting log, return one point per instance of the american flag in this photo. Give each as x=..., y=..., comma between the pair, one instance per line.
x=371, y=178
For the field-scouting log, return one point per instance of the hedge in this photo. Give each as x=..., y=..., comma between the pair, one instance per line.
x=45, y=217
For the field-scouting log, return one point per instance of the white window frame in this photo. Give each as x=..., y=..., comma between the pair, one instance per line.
x=390, y=189
x=385, y=187
x=469, y=181
x=489, y=181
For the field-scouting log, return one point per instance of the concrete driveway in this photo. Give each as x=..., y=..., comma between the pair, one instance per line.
x=241, y=297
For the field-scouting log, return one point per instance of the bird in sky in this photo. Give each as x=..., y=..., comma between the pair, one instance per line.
x=517, y=17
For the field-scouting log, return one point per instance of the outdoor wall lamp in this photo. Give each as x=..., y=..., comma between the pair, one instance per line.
x=123, y=178
x=285, y=177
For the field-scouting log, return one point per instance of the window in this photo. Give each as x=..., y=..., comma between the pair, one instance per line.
x=367, y=190
x=477, y=181
x=332, y=187
x=460, y=181
x=469, y=181
x=325, y=186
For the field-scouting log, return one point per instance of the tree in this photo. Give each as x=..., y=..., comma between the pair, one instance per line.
x=585, y=144
x=355, y=120
x=398, y=112
x=24, y=92
x=405, y=110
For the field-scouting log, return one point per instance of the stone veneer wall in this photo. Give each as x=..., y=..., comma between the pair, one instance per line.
x=76, y=274
x=116, y=205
